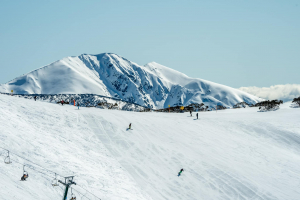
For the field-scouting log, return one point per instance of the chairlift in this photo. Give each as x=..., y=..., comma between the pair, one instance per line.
x=55, y=181
x=7, y=159
x=25, y=174
x=24, y=171
x=73, y=196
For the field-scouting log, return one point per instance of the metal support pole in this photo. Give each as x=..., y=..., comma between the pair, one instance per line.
x=66, y=192
x=68, y=182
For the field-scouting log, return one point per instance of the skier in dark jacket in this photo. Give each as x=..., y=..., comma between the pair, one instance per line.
x=130, y=126
x=191, y=112
x=179, y=173
x=78, y=105
x=35, y=98
x=197, y=115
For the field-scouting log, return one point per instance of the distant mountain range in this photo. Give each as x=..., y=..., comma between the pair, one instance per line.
x=108, y=74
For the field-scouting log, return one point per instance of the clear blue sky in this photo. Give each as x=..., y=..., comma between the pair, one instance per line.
x=235, y=43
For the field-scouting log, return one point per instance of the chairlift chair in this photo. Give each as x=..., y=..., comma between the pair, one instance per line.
x=7, y=159
x=25, y=174
x=24, y=171
x=55, y=181
x=73, y=196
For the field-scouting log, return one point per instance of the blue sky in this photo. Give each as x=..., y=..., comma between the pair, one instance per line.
x=235, y=43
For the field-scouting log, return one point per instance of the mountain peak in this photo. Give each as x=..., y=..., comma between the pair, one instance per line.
x=152, y=63
x=109, y=74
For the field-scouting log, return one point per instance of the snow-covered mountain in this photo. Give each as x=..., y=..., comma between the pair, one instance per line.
x=108, y=74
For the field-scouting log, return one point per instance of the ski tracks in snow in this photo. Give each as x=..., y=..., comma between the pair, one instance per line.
x=108, y=136
x=143, y=150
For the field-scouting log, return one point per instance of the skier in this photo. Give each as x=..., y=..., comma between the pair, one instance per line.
x=23, y=178
x=197, y=115
x=191, y=112
x=179, y=173
x=130, y=126
x=78, y=105
x=35, y=98
x=62, y=102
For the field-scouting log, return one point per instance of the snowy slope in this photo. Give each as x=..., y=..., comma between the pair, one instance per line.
x=59, y=139
x=229, y=154
x=108, y=74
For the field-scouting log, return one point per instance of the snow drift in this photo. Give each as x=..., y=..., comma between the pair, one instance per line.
x=152, y=85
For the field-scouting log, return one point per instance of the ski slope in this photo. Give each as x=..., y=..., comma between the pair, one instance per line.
x=229, y=154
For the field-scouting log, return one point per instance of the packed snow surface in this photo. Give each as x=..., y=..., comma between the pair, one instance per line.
x=108, y=74
x=229, y=154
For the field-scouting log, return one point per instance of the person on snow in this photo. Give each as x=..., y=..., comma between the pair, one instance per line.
x=35, y=98
x=191, y=112
x=130, y=126
x=23, y=178
x=197, y=115
x=78, y=105
x=62, y=102
x=179, y=173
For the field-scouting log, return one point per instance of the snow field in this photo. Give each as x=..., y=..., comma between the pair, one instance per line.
x=228, y=154
x=231, y=154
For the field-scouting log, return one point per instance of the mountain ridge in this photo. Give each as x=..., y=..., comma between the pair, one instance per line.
x=152, y=85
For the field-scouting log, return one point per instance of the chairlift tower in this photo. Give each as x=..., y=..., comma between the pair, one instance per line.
x=68, y=182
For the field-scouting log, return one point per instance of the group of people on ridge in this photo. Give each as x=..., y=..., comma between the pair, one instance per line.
x=62, y=103
x=192, y=115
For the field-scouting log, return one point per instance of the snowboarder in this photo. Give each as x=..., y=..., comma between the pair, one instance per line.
x=23, y=178
x=179, y=173
x=35, y=98
x=130, y=126
x=197, y=115
x=78, y=105
x=191, y=113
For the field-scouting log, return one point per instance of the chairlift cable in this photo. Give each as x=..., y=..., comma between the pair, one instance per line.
x=83, y=195
x=31, y=167
x=32, y=162
x=88, y=191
